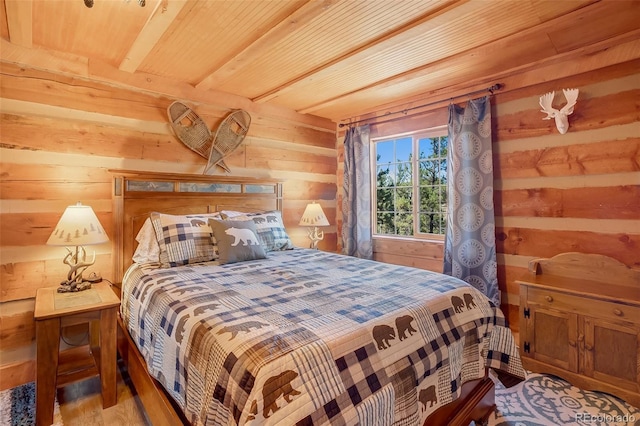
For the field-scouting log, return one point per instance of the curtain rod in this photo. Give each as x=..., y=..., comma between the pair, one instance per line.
x=491, y=89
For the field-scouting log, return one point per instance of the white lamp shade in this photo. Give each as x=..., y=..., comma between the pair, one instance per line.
x=78, y=226
x=314, y=216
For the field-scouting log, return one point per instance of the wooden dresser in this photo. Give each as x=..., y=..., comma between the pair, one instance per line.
x=580, y=320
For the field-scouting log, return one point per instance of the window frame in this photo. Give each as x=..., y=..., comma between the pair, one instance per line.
x=436, y=131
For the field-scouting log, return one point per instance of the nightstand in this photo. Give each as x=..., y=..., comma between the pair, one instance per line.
x=97, y=306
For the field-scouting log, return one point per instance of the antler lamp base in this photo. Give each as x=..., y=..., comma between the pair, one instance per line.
x=313, y=217
x=73, y=287
x=315, y=235
x=77, y=264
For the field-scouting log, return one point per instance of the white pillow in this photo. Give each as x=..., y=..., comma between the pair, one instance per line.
x=148, y=250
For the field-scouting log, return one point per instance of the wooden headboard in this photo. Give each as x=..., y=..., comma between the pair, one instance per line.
x=136, y=194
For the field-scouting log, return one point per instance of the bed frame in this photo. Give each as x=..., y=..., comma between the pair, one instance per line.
x=136, y=194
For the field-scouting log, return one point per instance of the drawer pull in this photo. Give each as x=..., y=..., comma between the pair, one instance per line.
x=549, y=299
x=572, y=343
x=618, y=312
x=588, y=347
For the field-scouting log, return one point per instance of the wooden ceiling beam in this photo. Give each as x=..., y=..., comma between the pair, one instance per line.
x=93, y=70
x=454, y=61
x=407, y=32
x=163, y=15
x=621, y=49
x=44, y=59
x=298, y=19
x=20, y=21
x=104, y=72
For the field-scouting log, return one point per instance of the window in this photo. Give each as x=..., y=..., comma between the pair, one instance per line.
x=410, y=195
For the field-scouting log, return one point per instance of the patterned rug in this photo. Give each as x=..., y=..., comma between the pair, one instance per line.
x=544, y=400
x=18, y=407
x=541, y=400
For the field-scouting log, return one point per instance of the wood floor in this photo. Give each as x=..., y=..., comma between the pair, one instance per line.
x=81, y=404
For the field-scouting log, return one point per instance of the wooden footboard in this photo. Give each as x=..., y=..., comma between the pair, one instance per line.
x=476, y=403
x=476, y=400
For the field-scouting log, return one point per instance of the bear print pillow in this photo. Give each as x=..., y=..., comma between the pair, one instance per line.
x=237, y=240
x=271, y=231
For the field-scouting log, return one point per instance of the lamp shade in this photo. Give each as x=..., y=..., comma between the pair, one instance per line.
x=314, y=216
x=78, y=226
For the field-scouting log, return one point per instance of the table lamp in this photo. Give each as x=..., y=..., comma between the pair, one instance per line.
x=78, y=226
x=313, y=217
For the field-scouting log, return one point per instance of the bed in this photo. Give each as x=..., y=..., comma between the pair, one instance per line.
x=294, y=336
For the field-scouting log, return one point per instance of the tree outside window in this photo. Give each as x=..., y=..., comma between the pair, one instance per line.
x=410, y=196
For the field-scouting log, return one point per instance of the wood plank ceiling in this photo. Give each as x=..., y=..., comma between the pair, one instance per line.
x=331, y=58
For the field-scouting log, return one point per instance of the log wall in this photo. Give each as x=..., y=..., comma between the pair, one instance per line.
x=60, y=136
x=553, y=193
x=574, y=192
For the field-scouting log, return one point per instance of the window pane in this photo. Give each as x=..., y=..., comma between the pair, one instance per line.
x=426, y=148
x=385, y=201
x=404, y=202
x=404, y=149
x=444, y=143
x=428, y=172
x=404, y=177
x=384, y=152
x=404, y=224
x=442, y=171
x=443, y=199
x=385, y=223
x=385, y=176
x=429, y=199
x=429, y=223
x=433, y=223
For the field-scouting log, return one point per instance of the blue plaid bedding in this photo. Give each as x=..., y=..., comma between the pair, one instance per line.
x=310, y=338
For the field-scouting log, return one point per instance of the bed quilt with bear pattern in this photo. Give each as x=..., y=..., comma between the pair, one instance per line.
x=307, y=337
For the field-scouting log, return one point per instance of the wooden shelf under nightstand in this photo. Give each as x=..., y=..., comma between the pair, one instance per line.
x=97, y=306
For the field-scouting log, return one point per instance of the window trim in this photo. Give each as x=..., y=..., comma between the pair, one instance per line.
x=436, y=131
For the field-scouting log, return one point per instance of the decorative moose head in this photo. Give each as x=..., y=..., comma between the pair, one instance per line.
x=562, y=122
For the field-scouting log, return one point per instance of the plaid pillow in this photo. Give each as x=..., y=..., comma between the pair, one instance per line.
x=184, y=239
x=273, y=236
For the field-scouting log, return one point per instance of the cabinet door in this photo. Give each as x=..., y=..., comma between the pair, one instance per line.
x=611, y=352
x=552, y=337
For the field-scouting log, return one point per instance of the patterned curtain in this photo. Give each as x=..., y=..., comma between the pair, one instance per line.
x=356, y=202
x=469, y=248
